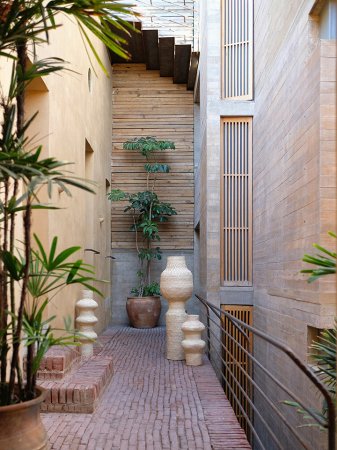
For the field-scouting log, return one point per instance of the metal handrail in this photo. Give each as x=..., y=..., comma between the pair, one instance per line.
x=244, y=329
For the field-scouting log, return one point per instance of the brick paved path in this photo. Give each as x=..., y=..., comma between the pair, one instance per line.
x=150, y=403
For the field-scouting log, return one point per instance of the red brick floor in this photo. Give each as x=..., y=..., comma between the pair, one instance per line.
x=150, y=403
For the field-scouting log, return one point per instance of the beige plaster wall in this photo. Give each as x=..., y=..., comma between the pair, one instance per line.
x=71, y=119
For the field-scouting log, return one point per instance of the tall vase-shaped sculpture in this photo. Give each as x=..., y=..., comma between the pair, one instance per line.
x=193, y=344
x=176, y=286
x=85, y=323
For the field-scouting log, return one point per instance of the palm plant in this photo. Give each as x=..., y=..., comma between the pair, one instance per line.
x=28, y=276
x=324, y=348
x=147, y=211
x=324, y=262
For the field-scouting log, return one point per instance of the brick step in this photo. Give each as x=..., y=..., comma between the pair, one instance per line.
x=81, y=389
x=59, y=362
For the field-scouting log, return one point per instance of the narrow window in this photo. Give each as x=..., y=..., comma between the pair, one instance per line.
x=237, y=38
x=236, y=202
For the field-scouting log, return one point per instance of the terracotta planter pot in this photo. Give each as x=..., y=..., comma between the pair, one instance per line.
x=21, y=426
x=143, y=312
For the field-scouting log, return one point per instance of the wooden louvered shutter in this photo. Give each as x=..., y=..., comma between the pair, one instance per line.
x=236, y=202
x=237, y=366
x=237, y=38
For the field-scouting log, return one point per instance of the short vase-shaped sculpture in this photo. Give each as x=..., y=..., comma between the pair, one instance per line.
x=193, y=344
x=85, y=322
x=176, y=286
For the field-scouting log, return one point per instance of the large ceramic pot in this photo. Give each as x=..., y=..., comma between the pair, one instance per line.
x=143, y=312
x=21, y=426
x=176, y=286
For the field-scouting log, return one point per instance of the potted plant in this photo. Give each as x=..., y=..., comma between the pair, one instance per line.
x=28, y=272
x=147, y=213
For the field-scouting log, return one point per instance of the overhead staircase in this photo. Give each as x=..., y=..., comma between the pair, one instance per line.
x=159, y=53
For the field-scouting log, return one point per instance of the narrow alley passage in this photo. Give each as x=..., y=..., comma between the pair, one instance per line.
x=150, y=404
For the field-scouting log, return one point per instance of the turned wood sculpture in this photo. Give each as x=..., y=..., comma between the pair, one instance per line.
x=193, y=344
x=176, y=286
x=85, y=322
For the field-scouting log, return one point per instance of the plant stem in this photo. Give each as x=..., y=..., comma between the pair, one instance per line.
x=148, y=264
x=19, y=375
x=4, y=295
x=18, y=330
x=11, y=249
x=21, y=50
x=147, y=176
x=136, y=231
x=29, y=375
x=3, y=282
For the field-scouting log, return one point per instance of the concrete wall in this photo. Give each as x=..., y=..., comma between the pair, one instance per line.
x=294, y=196
x=212, y=109
x=294, y=180
x=123, y=278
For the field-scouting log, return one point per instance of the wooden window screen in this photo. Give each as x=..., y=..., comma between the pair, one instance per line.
x=235, y=359
x=237, y=38
x=236, y=202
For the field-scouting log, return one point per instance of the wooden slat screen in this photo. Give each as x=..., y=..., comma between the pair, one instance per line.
x=237, y=37
x=235, y=359
x=236, y=202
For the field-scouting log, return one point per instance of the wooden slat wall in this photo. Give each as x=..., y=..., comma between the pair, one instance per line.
x=144, y=104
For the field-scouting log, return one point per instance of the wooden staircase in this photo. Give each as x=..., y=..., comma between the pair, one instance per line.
x=159, y=53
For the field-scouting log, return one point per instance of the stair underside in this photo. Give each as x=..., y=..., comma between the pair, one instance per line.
x=145, y=46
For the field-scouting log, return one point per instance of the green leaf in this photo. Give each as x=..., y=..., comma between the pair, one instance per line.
x=116, y=195
x=156, y=168
x=13, y=266
x=148, y=145
x=61, y=257
x=324, y=265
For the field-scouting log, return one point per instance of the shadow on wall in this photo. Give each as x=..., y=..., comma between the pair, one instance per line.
x=123, y=278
